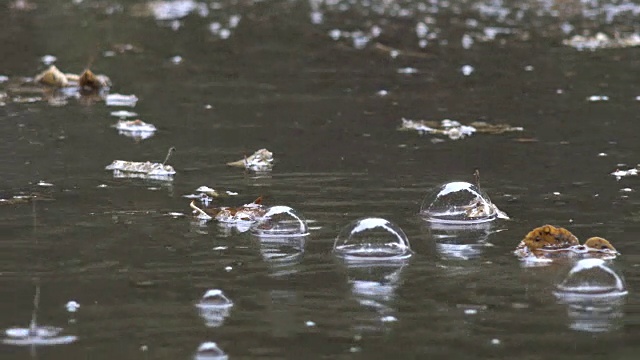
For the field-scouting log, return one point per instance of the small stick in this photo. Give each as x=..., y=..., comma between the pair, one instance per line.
x=202, y=213
x=169, y=153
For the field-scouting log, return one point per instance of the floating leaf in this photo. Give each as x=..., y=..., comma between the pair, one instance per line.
x=261, y=160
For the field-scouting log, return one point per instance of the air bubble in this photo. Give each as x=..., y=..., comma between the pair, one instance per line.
x=210, y=351
x=459, y=202
x=595, y=296
x=214, y=307
x=280, y=221
x=372, y=239
x=591, y=278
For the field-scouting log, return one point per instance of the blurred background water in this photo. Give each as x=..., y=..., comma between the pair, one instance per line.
x=324, y=85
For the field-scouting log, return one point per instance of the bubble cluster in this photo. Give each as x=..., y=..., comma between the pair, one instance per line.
x=280, y=221
x=459, y=203
x=372, y=239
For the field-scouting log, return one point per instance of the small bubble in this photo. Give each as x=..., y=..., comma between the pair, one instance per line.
x=495, y=342
x=372, y=239
x=467, y=70
x=48, y=59
x=72, y=306
x=470, y=311
x=214, y=307
x=528, y=68
x=467, y=41
x=210, y=351
x=228, y=268
x=310, y=323
x=176, y=60
x=388, y=319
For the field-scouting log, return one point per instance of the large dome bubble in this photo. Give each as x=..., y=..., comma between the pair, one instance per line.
x=459, y=202
x=280, y=221
x=591, y=278
x=372, y=239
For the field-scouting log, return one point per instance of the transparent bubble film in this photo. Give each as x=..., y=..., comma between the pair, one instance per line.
x=591, y=278
x=372, y=239
x=459, y=203
x=280, y=221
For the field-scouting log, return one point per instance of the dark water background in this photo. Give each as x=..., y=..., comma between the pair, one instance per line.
x=280, y=81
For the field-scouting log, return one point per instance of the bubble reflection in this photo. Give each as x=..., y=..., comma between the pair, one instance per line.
x=282, y=254
x=374, y=287
x=459, y=242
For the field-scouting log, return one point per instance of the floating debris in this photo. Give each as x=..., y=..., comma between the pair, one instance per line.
x=247, y=213
x=619, y=174
x=546, y=243
x=87, y=80
x=136, y=129
x=145, y=170
x=455, y=130
x=121, y=100
x=603, y=41
x=260, y=161
x=467, y=70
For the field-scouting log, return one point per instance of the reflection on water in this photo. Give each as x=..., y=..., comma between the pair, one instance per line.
x=461, y=242
x=282, y=254
x=374, y=286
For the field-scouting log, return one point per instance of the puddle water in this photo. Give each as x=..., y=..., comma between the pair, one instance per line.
x=300, y=104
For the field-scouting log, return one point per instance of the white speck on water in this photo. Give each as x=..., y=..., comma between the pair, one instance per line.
x=215, y=27
x=224, y=34
x=382, y=93
x=123, y=114
x=423, y=43
x=317, y=17
x=109, y=53
x=121, y=100
x=228, y=268
x=495, y=342
x=208, y=107
x=602, y=154
x=556, y=193
x=175, y=214
x=219, y=248
x=355, y=349
x=102, y=186
x=234, y=20
x=310, y=323
x=422, y=30
x=407, y=70
x=72, y=306
x=3, y=78
x=48, y=59
x=637, y=98
x=44, y=184
x=144, y=348
x=388, y=318
x=467, y=41
x=470, y=311
x=528, y=68
x=626, y=190
x=176, y=60
x=566, y=27
x=467, y=70
x=598, y=98
x=335, y=34
x=375, y=31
